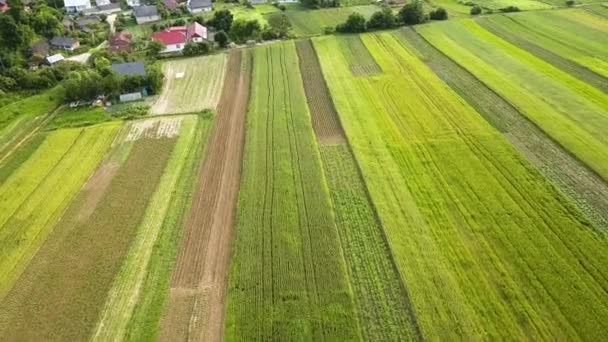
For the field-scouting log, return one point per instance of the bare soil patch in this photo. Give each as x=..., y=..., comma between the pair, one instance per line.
x=325, y=120
x=195, y=308
x=95, y=189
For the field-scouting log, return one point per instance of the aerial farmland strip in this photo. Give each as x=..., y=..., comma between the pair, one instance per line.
x=75, y=268
x=485, y=246
x=547, y=49
x=288, y=278
x=584, y=186
x=195, y=306
x=21, y=155
x=381, y=300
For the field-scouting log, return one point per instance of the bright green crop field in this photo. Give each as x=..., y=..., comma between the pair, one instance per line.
x=313, y=22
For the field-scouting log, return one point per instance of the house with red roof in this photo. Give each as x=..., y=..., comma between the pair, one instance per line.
x=175, y=38
x=121, y=41
x=4, y=6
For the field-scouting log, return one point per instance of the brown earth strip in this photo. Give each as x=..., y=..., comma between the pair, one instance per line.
x=60, y=295
x=559, y=62
x=325, y=121
x=570, y=175
x=195, y=308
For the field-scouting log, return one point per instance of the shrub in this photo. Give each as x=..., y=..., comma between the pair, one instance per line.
x=509, y=9
x=570, y=3
x=221, y=38
x=412, y=13
x=383, y=19
x=439, y=14
x=355, y=23
x=475, y=10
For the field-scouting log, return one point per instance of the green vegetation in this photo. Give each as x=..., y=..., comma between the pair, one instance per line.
x=487, y=249
x=570, y=111
x=21, y=155
x=314, y=22
x=78, y=117
x=288, y=278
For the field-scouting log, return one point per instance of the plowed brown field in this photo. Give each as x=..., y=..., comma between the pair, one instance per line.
x=195, y=309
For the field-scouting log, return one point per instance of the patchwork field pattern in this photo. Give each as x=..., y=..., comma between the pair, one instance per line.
x=191, y=84
x=476, y=231
x=288, y=278
x=572, y=112
x=313, y=22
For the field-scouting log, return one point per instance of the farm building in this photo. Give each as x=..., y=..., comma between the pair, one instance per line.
x=146, y=14
x=66, y=43
x=175, y=38
x=197, y=6
x=54, y=59
x=121, y=41
x=75, y=6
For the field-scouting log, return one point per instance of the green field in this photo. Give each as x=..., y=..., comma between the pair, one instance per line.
x=572, y=112
x=501, y=261
x=313, y=22
x=288, y=278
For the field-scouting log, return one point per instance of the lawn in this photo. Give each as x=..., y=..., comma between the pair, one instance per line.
x=288, y=278
x=572, y=112
x=486, y=248
x=191, y=84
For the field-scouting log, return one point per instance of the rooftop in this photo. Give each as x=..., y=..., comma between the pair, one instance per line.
x=63, y=41
x=145, y=11
x=76, y=3
x=130, y=69
x=199, y=3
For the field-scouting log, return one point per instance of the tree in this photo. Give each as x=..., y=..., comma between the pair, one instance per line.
x=103, y=66
x=222, y=20
x=154, y=48
x=383, y=19
x=221, y=38
x=193, y=49
x=475, y=10
x=412, y=13
x=46, y=24
x=439, y=14
x=155, y=78
x=243, y=30
x=279, y=23
x=570, y=3
x=355, y=23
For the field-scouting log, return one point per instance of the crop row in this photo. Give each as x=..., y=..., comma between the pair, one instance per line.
x=288, y=279
x=485, y=246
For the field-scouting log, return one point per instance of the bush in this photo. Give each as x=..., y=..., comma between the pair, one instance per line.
x=509, y=9
x=439, y=14
x=194, y=49
x=383, y=19
x=355, y=23
x=570, y=3
x=412, y=13
x=475, y=10
x=221, y=38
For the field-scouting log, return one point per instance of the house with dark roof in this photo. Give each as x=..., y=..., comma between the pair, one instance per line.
x=88, y=20
x=197, y=6
x=66, y=43
x=146, y=14
x=130, y=69
x=175, y=38
x=121, y=41
x=171, y=5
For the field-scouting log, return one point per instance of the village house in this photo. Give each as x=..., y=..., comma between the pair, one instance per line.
x=175, y=38
x=130, y=70
x=146, y=14
x=197, y=6
x=75, y=6
x=121, y=41
x=133, y=3
x=66, y=43
x=171, y=5
x=4, y=6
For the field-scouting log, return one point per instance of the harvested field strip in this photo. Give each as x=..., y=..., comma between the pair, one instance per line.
x=325, y=120
x=382, y=303
x=288, y=279
x=145, y=319
x=195, y=306
x=553, y=51
x=21, y=155
x=33, y=221
x=485, y=246
x=31, y=173
x=191, y=84
x=361, y=62
x=83, y=258
x=589, y=191
x=127, y=288
x=570, y=111
x=572, y=40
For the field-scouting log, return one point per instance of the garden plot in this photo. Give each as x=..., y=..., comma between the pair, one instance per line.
x=191, y=85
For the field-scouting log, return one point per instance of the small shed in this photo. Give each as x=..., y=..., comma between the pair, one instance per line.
x=54, y=59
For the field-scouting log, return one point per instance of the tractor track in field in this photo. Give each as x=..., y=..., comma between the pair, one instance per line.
x=196, y=302
x=582, y=185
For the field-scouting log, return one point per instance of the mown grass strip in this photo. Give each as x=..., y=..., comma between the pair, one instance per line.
x=589, y=191
x=82, y=258
x=288, y=279
x=486, y=247
x=128, y=285
x=570, y=111
x=33, y=221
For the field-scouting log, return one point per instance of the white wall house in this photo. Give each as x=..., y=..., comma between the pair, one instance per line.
x=75, y=6
x=197, y=6
x=133, y=3
x=145, y=14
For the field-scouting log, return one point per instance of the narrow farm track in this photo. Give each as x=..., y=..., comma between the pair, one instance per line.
x=325, y=121
x=573, y=177
x=195, y=309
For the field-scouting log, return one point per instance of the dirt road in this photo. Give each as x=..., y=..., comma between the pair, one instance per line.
x=195, y=310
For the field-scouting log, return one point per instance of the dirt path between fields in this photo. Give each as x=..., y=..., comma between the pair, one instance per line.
x=196, y=304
